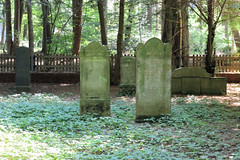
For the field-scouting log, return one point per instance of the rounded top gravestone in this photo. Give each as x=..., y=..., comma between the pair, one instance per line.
x=95, y=79
x=153, y=84
x=94, y=49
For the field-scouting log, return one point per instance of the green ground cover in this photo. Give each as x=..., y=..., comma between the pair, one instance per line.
x=45, y=126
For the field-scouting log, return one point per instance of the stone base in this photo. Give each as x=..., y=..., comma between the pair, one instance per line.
x=127, y=90
x=22, y=88
x=100, y=107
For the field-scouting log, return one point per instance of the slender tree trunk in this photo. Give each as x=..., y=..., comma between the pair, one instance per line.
x=119, y=43
x=157, y=16
x=211, y=34
x=128, y=27
x=115, y=9
x=46, y=26
x=102, y=22
x=3, y=32
x=30, y=26
x=21, y=14
x=201, y=25
x=185, y=34
x=149, y=17
x=77, y=24
x=236, y=36
x=8, y=27
x=25, y=29
x=18, y=14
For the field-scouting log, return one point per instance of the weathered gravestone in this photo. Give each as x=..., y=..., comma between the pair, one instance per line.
x=194, y=80
x=128, y=75
x=95, y=80
x=153, y=85
x=22, y=65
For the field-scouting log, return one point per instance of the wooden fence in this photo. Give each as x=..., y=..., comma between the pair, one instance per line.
x=70, y=64
x=55, y=63
x=7, y=63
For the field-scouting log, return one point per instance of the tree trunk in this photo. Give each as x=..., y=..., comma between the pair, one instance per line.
x=119, y=43
x=18, y=14
x=3, y=32
x=209, y=66
x=185, y=34
x=46, y=26
x=77, y=24
x=157, y=16
x=115, y=9
x=102, y=22
x=21, y=13
x=167, y=25
x=128, y=27
x=25, y=29
x=176, y=30
x=149, y=17
x=30, y=26
x=236, y=38
x=8, y=27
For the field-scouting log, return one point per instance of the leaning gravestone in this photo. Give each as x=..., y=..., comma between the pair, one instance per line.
x=95, y=80
x=128, y=75
x=153, y=85
x=22, y=64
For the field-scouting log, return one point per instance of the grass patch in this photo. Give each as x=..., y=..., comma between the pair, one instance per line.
x=45, y=126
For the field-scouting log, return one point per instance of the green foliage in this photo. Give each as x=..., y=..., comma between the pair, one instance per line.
x=45, y=126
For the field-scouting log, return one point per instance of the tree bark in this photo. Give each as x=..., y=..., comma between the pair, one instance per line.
x=102, y=22
x=119, y=43
x=115, y=8
x=185, y=34
x=30, y=26
x=3, y=32
x=167, y=25
x=149, y=17
x=25, y=29
x=209, y=66
x=18, y=14
x=8, y=26
x=236, y=38
x=46, y=26
x=157, y=16
x=128, y=27
x=77, y=24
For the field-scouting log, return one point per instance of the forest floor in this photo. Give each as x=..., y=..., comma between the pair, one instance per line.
x=232, y=99
x=46, y=124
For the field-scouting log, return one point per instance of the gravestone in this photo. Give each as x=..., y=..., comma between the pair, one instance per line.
x=128, y=75
x=95, y=80
x=194, y=80
x=22, y=68
x=153, y=84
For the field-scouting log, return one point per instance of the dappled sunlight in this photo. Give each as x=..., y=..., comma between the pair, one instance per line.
x=50, y=126
x=24, y=144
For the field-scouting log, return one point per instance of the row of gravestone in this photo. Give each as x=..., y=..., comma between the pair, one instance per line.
x=153, y=82
x=150, y=74
x=186, y=80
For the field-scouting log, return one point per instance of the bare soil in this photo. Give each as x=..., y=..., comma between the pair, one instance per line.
x=57, y=89
x=232, y=99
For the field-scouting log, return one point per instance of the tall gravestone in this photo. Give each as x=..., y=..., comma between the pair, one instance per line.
x=153, y=85
x=95, y=80
x=22, y=68
x=128, y=75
